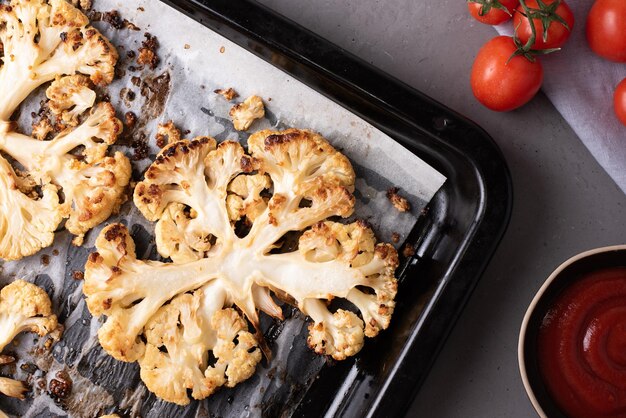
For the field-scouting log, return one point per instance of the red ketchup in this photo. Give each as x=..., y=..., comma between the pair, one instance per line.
x=582, y=346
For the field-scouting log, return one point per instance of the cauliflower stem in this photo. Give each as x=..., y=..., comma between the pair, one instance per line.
x=169, y=316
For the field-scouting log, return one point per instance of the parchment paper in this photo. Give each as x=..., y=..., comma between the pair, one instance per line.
x=194, y=62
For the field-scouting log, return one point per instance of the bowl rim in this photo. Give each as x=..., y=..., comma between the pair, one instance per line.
x=529, y=311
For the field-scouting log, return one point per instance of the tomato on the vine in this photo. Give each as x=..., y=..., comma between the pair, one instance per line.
x=551, y=17
x=501, y=81
x=606, y=29
x=492, y=12
x=619, y=101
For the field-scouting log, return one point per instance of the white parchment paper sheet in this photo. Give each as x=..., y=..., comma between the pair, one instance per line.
x=198, y=61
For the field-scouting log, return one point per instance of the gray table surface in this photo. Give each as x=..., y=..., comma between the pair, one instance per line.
x=564, y=202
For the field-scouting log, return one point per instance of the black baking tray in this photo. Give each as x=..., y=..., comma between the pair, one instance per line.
x=454, y=239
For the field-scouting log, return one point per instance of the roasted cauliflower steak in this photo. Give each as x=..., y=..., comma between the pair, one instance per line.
x=223, y=216
x=70, y=176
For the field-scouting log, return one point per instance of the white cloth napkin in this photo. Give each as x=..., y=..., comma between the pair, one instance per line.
x=580, y=84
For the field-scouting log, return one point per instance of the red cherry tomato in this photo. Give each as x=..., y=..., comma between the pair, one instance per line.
x=606, y=29
x=492, y=15
x=500, y=82
x=557, y=33
x=619, y=101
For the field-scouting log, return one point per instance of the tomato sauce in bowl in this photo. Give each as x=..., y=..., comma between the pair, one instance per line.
x=572, y=342
x=582, y=346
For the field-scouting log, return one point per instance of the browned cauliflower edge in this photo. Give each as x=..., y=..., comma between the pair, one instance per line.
x=222, y=217
x=46, y=40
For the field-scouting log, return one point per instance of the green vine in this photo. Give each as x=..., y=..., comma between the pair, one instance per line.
x=546, y=14
x=487, y=5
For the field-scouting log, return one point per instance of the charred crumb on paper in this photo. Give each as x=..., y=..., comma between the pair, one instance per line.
x=113, y=18
x=156, y=91
x=45, y=259
x=119, y=72
x=131, y=54
x=82, y=4
x=29, y=368
x=131, y=26
x=130, y=120
x=6, y=359
x=222, y=50
x=148, y=52
x=409, y=250
x=136, y=81
x=140, y=150
x=228, y=94
x=60, y=386
x=141, y=9
x=127, y=96
x=78, y=275
x=55, y=252
x=187, y=46
x=398, y=201
x=395, y=237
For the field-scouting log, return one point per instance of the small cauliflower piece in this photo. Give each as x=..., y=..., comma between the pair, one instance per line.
x=167, y=133
x=170, y=316
x=243, y=114
x=229, y=93
x=12, y=388
x=398, y=202
x=24, y=307
x=70, y=97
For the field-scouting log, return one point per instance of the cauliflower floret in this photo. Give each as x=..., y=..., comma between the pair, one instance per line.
x=236, y=350
x=44, y=39
x=244, y=197
x=97, y=192
x=24, y=307
x=339, y=335
x=356, y=244
x=12, y=388
x=179, y=337
x=70, y=96
x=243, y=114
x=93, y=184
x=198, y=193
x=26, y=224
